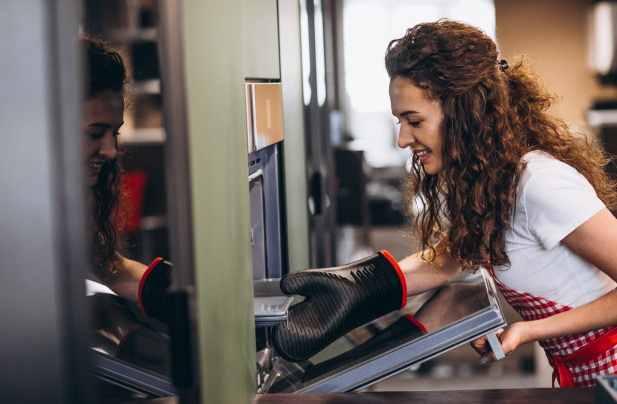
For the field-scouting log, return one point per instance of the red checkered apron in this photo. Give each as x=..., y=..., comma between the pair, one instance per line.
x=576, y=359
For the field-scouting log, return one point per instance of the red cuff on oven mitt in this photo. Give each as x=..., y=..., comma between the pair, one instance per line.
x=153, y=287
x=337, y=300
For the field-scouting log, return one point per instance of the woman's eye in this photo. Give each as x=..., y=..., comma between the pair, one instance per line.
x=414, y=123
x=116, y=134
x=95, y=135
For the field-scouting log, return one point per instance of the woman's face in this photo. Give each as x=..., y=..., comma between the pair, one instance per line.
x=102, y=118
x=421, y=123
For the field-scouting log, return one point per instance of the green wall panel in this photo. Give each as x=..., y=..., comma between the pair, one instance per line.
x=294, y=149
x=221, y=219
x=215, y=73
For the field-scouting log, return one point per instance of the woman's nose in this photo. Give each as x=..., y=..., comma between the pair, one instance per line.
x=405, y=139
x=109, y=148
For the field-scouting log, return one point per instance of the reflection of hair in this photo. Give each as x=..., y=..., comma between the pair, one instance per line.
x=105, y=72
x=491, y=119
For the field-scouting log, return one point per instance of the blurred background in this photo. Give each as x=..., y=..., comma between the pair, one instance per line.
x=356, y=171
x=186, y=163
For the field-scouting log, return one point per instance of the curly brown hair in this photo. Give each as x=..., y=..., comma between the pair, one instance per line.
x=492, y=117
x=106, y=70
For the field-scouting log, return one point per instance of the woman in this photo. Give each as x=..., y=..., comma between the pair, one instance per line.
x=504, y=185
x=103, y=113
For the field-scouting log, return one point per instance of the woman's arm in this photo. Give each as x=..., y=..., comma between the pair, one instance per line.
x=421, y=276
x=596, y=242
x=126, y=281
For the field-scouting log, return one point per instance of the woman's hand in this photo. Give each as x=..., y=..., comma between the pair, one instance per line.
x=510, y=338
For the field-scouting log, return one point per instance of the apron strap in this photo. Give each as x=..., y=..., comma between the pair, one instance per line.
x=585, y=354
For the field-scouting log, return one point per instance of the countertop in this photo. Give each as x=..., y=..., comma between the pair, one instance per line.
x=576, y=395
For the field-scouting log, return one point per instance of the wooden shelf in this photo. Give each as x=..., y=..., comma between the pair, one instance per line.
x=143, y=136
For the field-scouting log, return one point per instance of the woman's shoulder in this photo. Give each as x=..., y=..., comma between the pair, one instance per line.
x=552, y=199
x=537, y=161
x=544, y=175
x=540, y=159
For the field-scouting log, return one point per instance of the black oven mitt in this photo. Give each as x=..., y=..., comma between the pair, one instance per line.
x=153, y=290
x=337, y=300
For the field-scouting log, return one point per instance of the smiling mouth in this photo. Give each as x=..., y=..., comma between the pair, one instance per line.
x=423, y=153
x=96, y=165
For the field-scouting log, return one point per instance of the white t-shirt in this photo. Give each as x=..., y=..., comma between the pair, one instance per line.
x=552, y=199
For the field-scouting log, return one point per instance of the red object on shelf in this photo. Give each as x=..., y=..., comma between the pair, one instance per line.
x=134, y=190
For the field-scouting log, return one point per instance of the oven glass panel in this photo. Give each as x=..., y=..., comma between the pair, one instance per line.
x=465, y=309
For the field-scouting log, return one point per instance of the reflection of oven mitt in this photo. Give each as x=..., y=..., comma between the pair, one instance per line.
x=405, y=328
x=153, y=298
x=112, y=321
x=337, y=301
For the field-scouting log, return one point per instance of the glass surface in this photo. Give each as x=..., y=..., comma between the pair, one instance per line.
x=463, y=310
x=123, y=333
x=130, y=352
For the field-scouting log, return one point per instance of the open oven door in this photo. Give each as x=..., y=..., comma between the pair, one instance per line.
x=465, y=309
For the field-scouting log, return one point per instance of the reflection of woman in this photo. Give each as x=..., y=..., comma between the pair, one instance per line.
x=102, y=119
x=503, y=184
